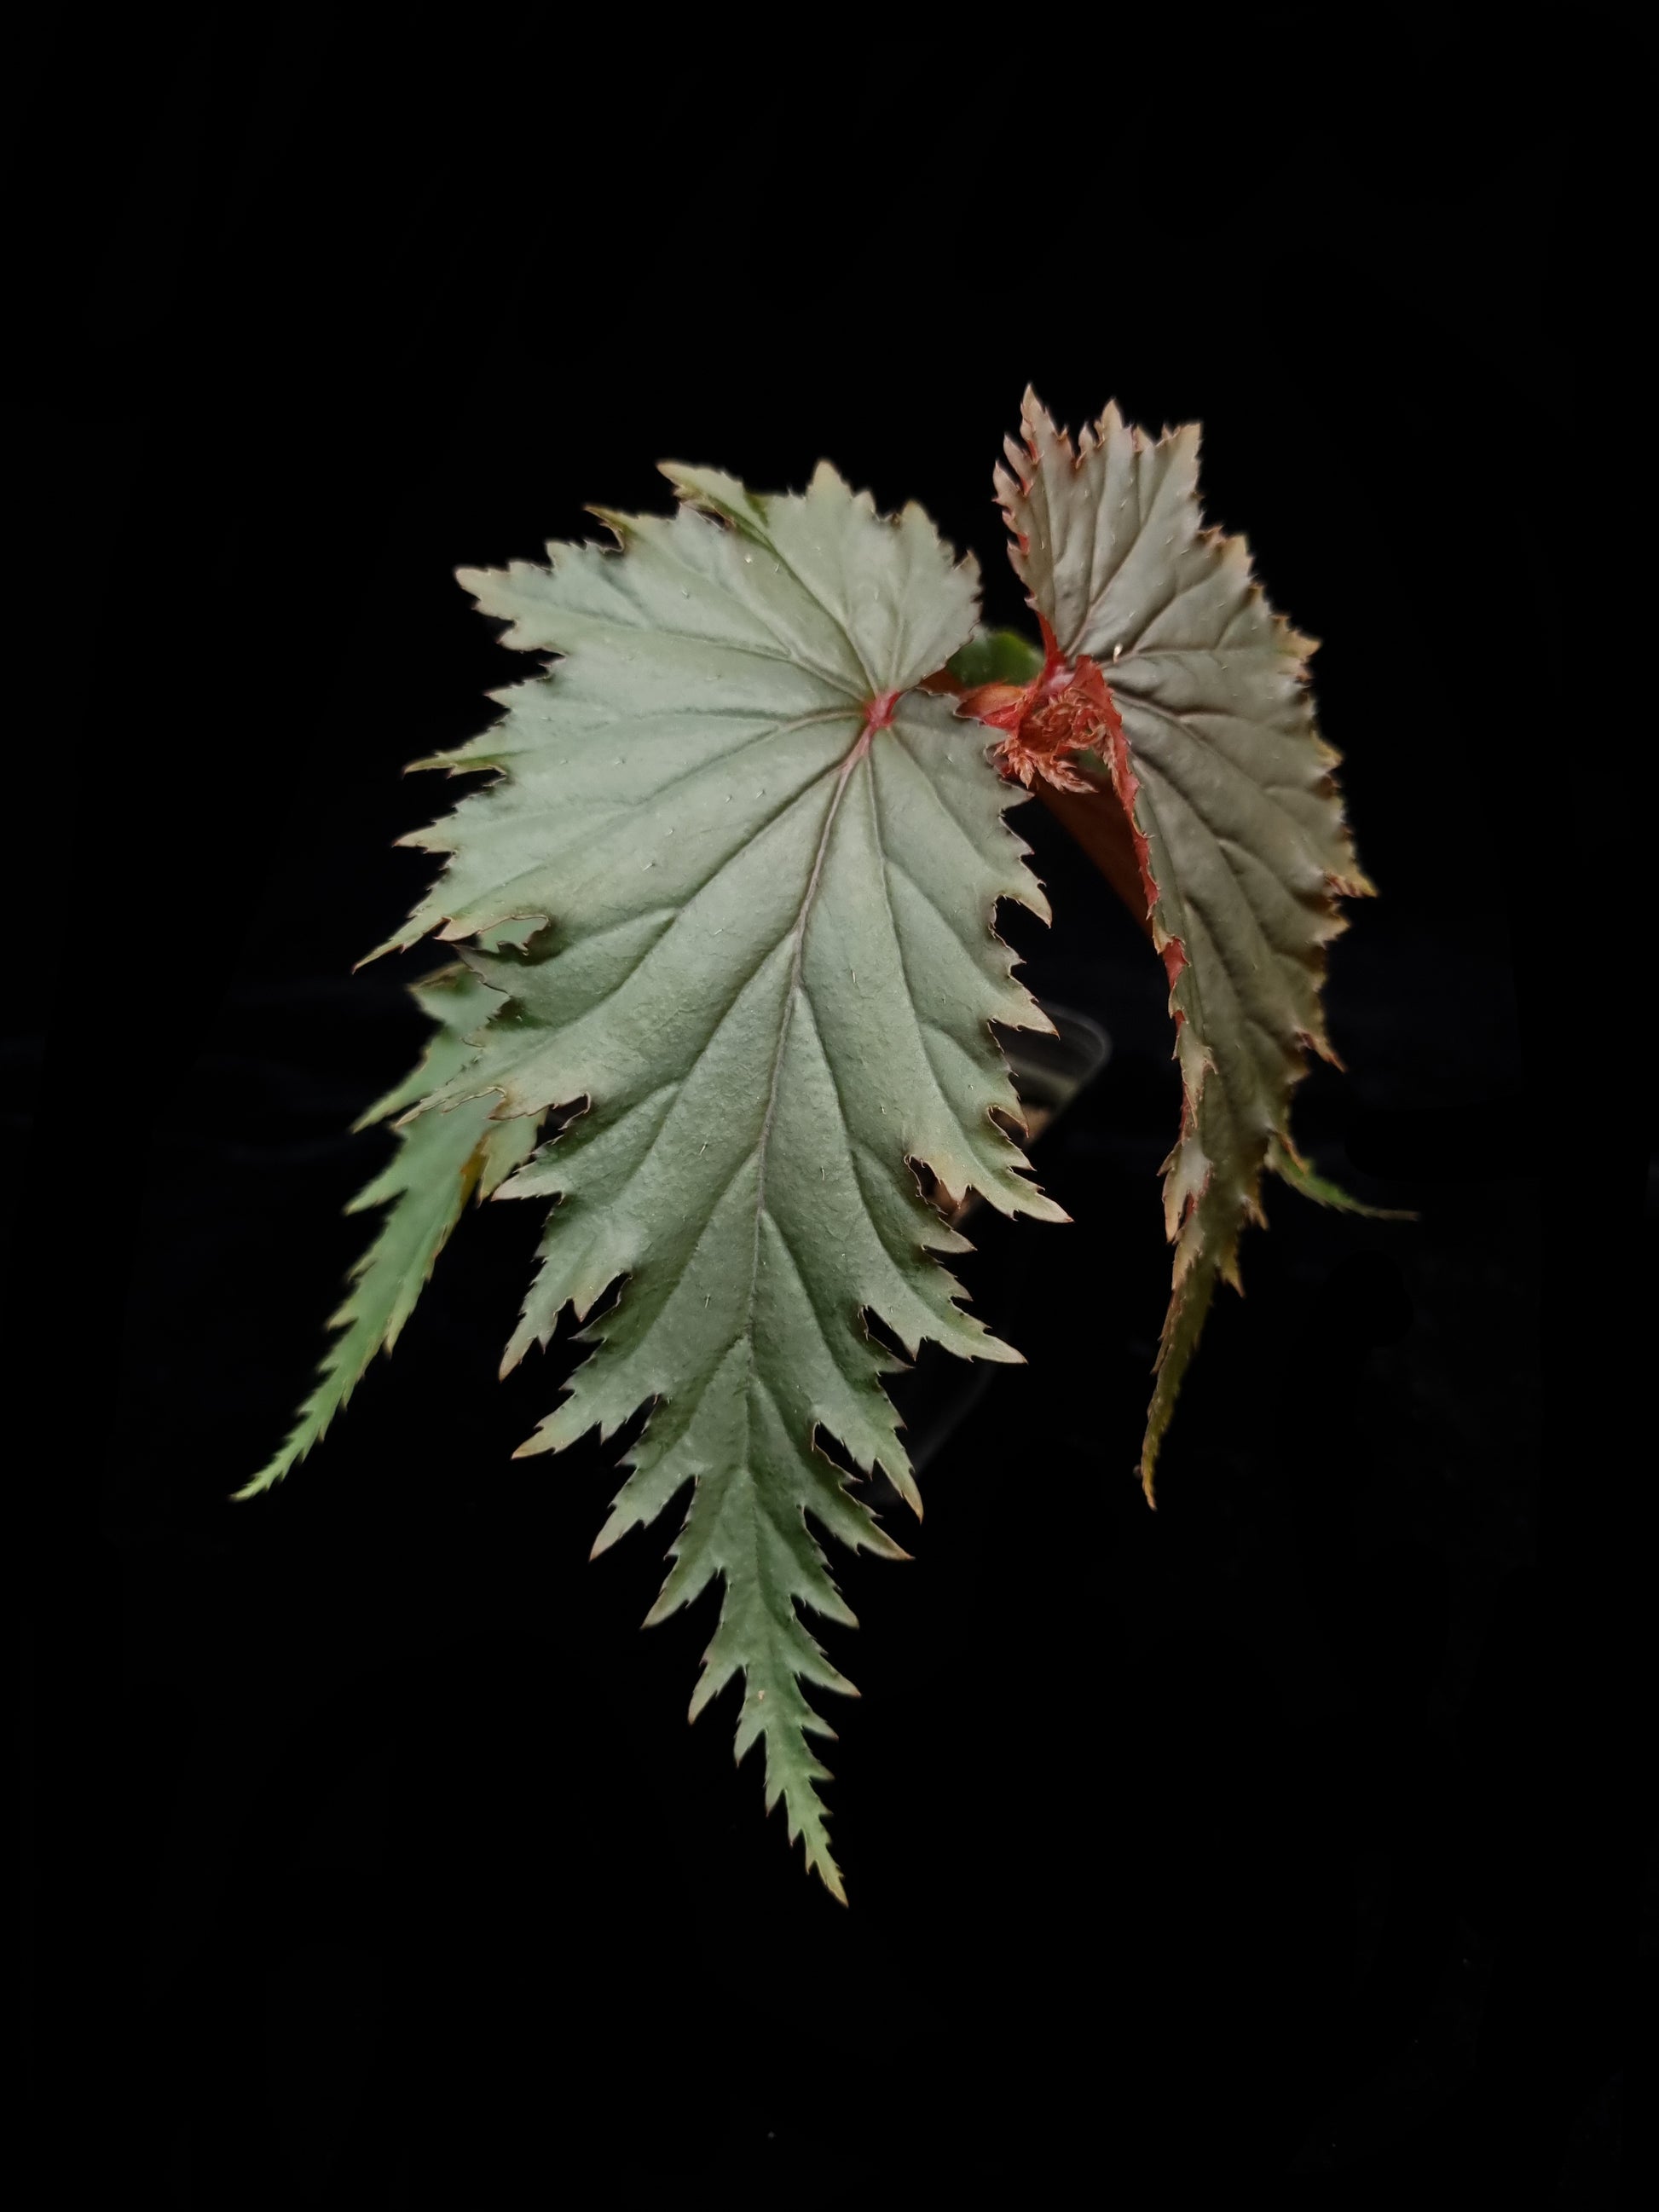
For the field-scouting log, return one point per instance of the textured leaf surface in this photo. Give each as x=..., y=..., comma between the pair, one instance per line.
x=767, y=868
x=1231, y=792
x=441, y=1159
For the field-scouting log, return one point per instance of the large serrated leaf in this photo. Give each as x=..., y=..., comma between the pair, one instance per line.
x=1232, y=795
x=442, y=1159
x=767, y=869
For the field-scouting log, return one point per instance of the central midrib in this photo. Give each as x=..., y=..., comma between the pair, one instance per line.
x=859, y=748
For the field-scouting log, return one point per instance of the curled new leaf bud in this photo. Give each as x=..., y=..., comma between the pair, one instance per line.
x=1067, y=708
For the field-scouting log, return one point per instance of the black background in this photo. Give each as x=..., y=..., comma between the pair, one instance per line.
x=1292, y=1836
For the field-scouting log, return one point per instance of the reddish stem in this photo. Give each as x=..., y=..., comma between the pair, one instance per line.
x=1100, y=825
x=1094, y=818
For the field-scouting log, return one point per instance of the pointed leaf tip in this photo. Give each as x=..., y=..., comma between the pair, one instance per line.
x=439, y=1160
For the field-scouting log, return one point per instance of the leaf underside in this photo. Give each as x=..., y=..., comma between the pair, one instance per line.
x=1232, y=795
x=754, y=872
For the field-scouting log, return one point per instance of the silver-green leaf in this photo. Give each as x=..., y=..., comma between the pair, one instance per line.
x=766, y=870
